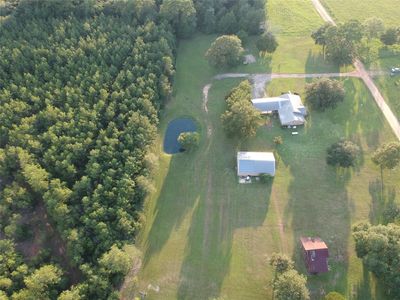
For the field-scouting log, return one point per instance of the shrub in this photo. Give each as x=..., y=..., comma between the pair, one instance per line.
x=265, y=178
x=267, y=43
x=390, y=36
x=189, y=141
x=278, y=140
x=281, y=262
x=343, y=153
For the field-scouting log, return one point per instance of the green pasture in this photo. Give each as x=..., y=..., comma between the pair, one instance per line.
x=344, y=10
x=208, y=236
x=389, y=12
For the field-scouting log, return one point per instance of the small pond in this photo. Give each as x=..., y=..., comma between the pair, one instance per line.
x=175, y=128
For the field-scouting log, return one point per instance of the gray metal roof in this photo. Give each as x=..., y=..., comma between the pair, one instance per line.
x=288, y=117
x=255, y=163
x=266, y=105
x=289, y=107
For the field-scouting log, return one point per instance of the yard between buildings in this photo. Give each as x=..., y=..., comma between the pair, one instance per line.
x=207, y=236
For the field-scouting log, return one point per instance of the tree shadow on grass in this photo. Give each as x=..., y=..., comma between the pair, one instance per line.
x=382, y=200
x=175, y=200
x=369, y=288
x=224, y=207
x=316, y=63
x=209, y=248
x=318, y=206
x=362, y=291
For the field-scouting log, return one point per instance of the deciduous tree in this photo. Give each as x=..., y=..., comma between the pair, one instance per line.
x=182, y=16
x=374, y=27
x=240, y=119
x=225, y=51
x=320, y=35
x=343, y=153
x=290, y=285
x=378, y=247
x=267, y=43
x=387, y=156
x=189, y=140
x=390, y=36
x=40, y=284
x=324, y=93
x=281, y=263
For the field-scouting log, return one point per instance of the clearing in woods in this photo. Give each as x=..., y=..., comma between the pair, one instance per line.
x=207, y=236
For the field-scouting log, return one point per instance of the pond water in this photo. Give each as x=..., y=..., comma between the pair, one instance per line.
x=175, y=128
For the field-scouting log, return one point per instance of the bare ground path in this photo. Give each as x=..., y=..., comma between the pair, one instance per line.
x=366, y=77
x=260, y=79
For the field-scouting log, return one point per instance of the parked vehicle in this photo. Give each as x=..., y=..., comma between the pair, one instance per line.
x=394, y=71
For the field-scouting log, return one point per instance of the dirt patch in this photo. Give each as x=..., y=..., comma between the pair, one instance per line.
x=249, y=59
x=281, y=226
x=206, y=89
x=208, y=212
x=259, y=81
x=129, y=287
x=45, y=237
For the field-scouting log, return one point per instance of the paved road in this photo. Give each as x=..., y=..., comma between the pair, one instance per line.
x=365, y=76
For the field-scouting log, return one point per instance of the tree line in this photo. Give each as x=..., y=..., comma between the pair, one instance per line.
x=343, y=43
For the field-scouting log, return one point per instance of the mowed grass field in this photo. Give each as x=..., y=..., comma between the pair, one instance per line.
x=293, y=21
x=344, y=10
x=390, y=89
x=207, y=236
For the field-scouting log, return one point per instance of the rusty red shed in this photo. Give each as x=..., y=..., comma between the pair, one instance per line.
x=316, y=254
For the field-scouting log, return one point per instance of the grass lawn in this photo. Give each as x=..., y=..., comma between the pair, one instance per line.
x=293, y=21
x=344, y=10
x=208, y=236
x=390, y=88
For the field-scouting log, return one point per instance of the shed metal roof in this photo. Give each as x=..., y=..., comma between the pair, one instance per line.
x=315, y=254
x=313, y=243
x=255, y=163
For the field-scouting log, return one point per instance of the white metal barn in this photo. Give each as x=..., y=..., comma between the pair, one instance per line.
x=255, y=163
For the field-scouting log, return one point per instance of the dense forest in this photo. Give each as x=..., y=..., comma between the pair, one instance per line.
x=82, y=83
x=80, y=87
